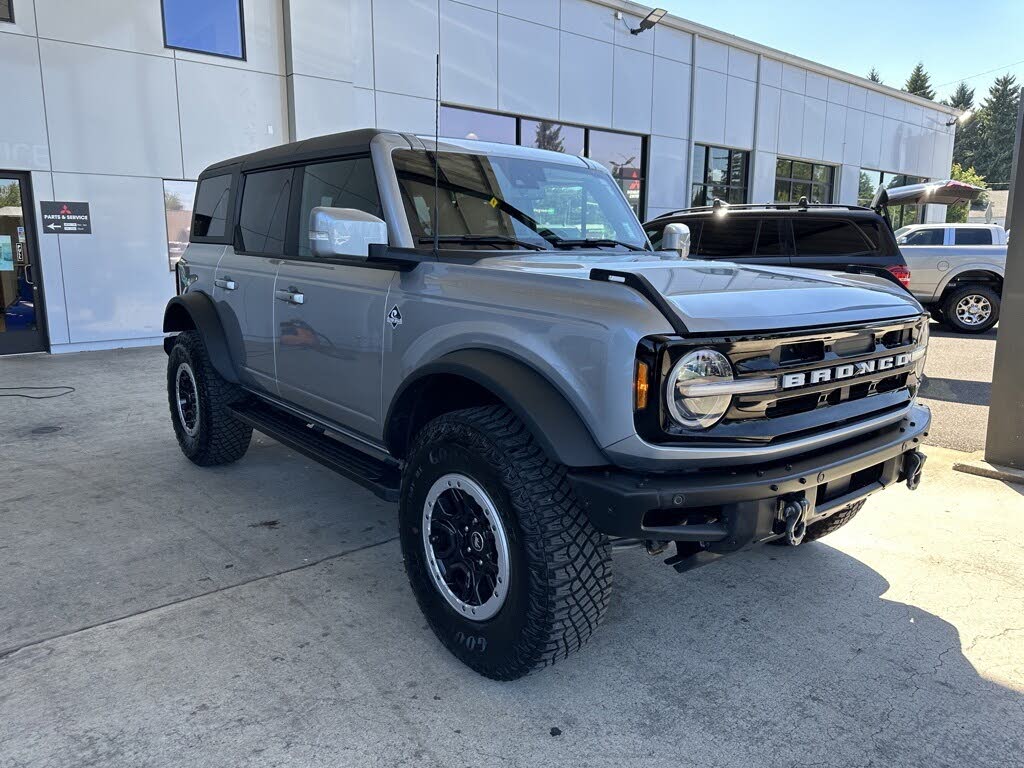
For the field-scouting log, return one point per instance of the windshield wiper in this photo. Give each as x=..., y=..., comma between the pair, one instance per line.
x=485, y=240
x=594, y=242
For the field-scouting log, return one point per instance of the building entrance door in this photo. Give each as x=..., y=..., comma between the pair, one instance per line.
x=22, y=328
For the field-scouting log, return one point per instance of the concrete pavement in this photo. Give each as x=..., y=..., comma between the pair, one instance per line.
x=156, y=614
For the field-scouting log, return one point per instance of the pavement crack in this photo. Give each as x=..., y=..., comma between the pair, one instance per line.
x=8, y=652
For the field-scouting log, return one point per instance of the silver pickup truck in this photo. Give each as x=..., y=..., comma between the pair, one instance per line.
x=956, y=270
x=483, y=334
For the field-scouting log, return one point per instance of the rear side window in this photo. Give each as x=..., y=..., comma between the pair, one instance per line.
x=341, y=184
x=724, y=237
x=925, y=237
x=828, y=237
x=771, y=240
x=973, y=236
x=264, y=215
x=210, y=214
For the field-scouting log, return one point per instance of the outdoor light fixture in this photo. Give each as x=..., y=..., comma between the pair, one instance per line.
x=649, y=21
x=963, y=118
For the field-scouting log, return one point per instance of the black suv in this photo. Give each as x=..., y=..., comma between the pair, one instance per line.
x=838, y=238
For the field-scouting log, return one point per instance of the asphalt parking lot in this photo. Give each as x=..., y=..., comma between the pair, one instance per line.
x=156, y=614
x=958, y=387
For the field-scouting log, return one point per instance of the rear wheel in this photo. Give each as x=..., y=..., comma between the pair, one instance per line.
x=971, y=309
x=502, y=559
x=199, y=399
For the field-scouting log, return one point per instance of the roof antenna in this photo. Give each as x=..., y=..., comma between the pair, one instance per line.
x=437, y=131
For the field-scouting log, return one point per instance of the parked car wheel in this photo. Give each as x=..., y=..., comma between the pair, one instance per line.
x=502, y=558
x=971, y=309
x=199, y=398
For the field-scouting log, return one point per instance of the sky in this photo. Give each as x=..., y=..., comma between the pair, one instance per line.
x=955, y=40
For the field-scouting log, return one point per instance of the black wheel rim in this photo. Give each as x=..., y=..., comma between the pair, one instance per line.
x=186, y=395
x=466, y=547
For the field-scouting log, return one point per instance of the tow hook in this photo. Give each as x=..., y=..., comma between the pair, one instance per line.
x=913, y=464
x=794, y=512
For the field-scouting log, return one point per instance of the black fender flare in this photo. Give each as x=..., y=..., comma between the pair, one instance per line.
x=197, y=311
x=545, y=411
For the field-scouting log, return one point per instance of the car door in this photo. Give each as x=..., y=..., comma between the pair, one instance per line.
x=927, y=253
x=329, y=314
x=244, y=281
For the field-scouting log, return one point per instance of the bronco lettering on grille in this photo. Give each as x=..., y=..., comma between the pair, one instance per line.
x=847, y=371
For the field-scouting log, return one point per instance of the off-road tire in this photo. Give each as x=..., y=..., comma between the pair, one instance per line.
x=954, y=297
x=220, y=438
x=560, y=566
x=824, y=527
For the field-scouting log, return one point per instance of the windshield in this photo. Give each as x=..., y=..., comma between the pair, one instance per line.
x=486, y=201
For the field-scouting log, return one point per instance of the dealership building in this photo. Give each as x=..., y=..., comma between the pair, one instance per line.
x=114, y=108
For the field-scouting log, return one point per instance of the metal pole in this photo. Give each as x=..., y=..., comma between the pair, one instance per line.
x=1005, y=442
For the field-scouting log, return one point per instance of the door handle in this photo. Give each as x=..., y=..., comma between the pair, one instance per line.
x=27, y=280
x=292, y=296
x=226, y=283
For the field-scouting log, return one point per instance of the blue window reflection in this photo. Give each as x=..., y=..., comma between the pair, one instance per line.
x=205, y=26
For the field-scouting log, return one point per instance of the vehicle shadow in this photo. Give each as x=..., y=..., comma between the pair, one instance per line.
x=957, y=390
x=940, y=331
x=785, y=657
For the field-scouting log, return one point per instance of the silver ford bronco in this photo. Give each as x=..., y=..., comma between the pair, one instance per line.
x=483, y=334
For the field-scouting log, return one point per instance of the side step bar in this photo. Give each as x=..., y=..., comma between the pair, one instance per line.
x=309, y=439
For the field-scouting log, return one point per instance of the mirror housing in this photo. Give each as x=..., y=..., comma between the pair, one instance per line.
x=344, y=232
x=676, y=238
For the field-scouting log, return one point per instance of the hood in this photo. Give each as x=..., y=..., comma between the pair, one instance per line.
x=721, y=297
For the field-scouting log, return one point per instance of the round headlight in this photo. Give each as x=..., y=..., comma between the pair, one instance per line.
x=702, y=366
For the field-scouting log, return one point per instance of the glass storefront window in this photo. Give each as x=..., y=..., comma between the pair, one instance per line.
x=178, y=200
x=901, y=215
x=622, y=154
x=719, y=173
x=795, y=179
x=556, y=137
x=6, y=11
x=205, y=26
x=478, y=126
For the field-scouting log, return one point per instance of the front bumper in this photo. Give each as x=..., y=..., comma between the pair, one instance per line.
x=724, y=509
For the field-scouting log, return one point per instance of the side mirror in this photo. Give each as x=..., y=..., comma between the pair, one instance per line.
x=344, y=232
x=676, y=238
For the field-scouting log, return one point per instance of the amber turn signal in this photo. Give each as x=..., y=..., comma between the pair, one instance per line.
x=641, y=385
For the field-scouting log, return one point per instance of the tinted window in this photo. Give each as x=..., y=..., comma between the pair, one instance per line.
x=924, y=237
x=211, y=208
x=655, y=235
x=341, y=184
x=871, y=231
x=718, y=173
x=6, y=12
x=622, y=154
x=725, y=238
x=771, y=240
x=206, y=26
x=973, y=236
x=264, y=213
x=824, y=237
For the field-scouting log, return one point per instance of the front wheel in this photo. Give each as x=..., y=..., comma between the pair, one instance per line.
x=502, y=558
x=971, y=309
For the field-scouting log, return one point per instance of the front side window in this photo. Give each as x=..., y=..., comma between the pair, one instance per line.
x=211, y=207
x=205, y=26
x=972, y=236
x=7, y=10
x=923, y=237
x=828, y=237
x=340, y=184
x=488, y=201
x=263, y=218
x=719, y=173
x=795, y=179
x=178, y=198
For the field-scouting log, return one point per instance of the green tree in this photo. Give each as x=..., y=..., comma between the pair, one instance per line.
x=962, y=98
x=10, y=194
x=549, y=136
x=874, y=77
x=958, y=213
x=172, y=202
x=997, y=129
x=920, y=83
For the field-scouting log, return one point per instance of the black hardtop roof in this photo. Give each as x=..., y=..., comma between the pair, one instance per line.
x=773, y=209
x=303, y=151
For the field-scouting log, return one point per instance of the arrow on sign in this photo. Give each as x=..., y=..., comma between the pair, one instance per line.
x=53, y=226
